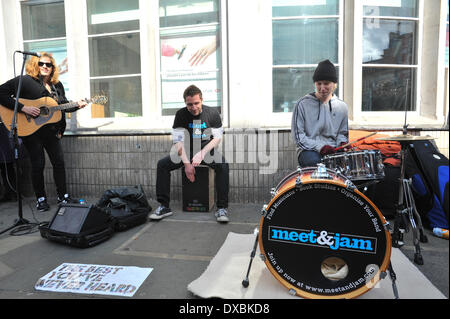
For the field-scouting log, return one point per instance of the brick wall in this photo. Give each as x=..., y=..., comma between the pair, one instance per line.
x=97, y=163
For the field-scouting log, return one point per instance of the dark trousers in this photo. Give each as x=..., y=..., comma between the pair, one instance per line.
x=309, y=159
x=166, y=165
x=46, y=139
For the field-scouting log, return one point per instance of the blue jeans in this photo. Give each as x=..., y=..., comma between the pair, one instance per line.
x=309, y=159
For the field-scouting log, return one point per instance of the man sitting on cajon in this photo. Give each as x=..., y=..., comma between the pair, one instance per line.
x=197, y=131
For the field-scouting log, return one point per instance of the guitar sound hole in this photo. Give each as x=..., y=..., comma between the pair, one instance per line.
x=44, y=111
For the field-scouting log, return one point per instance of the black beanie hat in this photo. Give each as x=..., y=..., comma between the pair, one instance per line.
x=325, y=71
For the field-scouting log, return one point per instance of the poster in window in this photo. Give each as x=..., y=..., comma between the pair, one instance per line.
x=190, y=60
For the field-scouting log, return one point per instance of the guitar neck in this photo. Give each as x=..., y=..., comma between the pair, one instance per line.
x=69, y=105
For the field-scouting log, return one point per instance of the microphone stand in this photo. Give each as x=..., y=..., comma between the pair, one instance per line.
x=13, y=133
x=405, y=126
x=400, y=221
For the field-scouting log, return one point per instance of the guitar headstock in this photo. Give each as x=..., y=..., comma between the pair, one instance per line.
x=99, y=99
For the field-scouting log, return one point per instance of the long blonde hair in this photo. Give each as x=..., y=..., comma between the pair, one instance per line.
x=32, y=67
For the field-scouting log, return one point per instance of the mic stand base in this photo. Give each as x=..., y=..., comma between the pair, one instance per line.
x=17, y=222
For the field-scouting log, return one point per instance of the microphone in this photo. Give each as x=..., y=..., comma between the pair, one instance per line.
x=30, y=53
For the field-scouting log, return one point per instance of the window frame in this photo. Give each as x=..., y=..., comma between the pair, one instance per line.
x=381, y=117
x=152, y=118
x=88, y=123
x=130, y=75
x=351, y=20
x=43, y=40
x=284, y=118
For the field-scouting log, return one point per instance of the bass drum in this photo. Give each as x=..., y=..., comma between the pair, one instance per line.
x=322, y=238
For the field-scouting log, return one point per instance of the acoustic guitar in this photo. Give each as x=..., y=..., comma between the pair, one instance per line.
x=50, y=112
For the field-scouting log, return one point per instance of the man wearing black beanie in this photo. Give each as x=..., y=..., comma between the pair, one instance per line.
x=320, y=119
x=325, y=71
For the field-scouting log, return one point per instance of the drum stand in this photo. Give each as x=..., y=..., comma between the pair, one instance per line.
x=393, y=279
x=246, y=281
x=406, y=212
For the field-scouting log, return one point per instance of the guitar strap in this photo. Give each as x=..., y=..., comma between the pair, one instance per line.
x=55, y=93
x=61, y=126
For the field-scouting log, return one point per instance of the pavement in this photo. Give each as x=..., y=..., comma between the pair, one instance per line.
x=178, y=248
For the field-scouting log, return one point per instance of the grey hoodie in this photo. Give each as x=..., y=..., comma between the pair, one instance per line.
x=315, y=125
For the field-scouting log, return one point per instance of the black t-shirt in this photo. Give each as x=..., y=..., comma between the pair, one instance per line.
x=198, y=127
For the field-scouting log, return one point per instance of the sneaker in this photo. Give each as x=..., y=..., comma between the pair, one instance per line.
x=65, y=200
x=222, y=215
x=161, y=212
x=42, y=204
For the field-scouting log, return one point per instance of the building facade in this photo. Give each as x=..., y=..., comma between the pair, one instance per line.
x=253, y=60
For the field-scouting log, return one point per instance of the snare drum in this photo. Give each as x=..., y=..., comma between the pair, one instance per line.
x=357, y=166
x=322, y=238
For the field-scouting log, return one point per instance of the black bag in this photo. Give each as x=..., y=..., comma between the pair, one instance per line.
x=384, y=194
x=78, y=225
x=124, y=220
x=127, y=206
x=429, y=172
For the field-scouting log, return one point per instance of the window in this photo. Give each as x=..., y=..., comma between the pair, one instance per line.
x=190, y=52
x=446, y=44
x=114, y=55
x=390, y=55
x=304, y=33
x=44, y=30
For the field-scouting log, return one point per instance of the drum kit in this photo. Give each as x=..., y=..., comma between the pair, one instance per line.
x=321, y=237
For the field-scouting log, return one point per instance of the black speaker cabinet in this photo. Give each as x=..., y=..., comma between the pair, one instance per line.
x=199, y=195
x=78, y=218
x=78, y=225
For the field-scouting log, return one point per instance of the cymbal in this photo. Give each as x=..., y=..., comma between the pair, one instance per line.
x=407, y=137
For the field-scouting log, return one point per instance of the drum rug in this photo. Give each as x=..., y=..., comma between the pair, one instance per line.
x=223, y=276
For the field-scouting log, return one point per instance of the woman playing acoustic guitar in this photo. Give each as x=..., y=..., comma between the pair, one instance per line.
x=41, y=81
